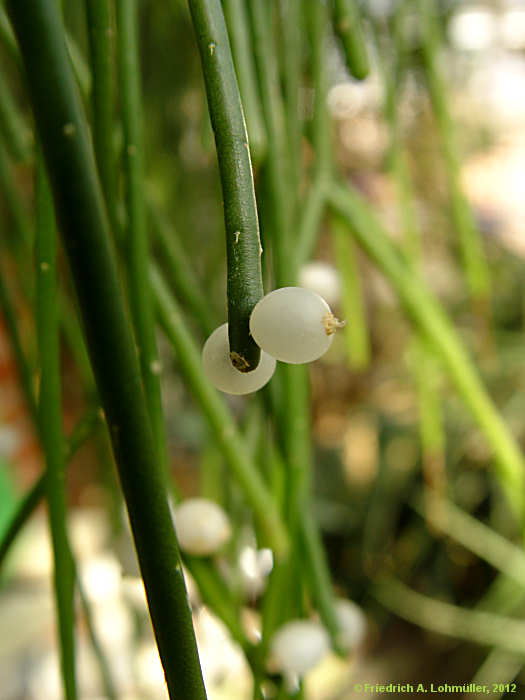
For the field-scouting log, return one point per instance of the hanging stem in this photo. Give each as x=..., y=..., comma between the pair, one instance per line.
x=79, y=204
x=243, y=244
x=347, y=25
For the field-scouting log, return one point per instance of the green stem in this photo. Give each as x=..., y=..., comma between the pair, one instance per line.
x=347, y=25
x=220, y=419
x=470, y=244
x=238, y=27
x=50, y=422
x=356, y=336
x=243, y=245
x=178, y=270
x=138, y=244
x=15, y=135
x=431, y=320
x=472, y=534
x=79, y=204
x=279, y=195
x=100, y=34
x=472, y=625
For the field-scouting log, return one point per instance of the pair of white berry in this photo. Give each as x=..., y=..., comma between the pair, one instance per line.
x=291, y=324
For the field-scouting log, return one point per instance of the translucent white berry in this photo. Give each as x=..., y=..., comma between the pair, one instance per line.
x=297, y=646
x=220, y=371
x=323, y=279
x=202, y=526
x=293, y=325
x=352, y=622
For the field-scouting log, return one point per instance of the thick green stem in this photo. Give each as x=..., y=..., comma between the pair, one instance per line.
x=431, y=320
x=243, y=244
x=238, y=28
x=79, y=204
x=347, y=25
x=137, y=234
x=50, y=422
x=15, y=136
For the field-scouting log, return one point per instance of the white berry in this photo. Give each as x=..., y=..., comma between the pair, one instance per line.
x=202, y=526
x=323, y=279
x=293, y=325
x=222, y=374
x=352, y=623
x=298, y=645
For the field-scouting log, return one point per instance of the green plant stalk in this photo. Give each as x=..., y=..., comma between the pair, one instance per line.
x=237, y=20
x=243, y=244
x=347, y=26
x=291, y=31
x=472, y=534
x=310, y=221
x=50, y=422
x=317, y=20
x=470, y=244
x=137, y=235
x=23, y=240
x=277, y=167
x=15, y=136
x=431, y=320
x=101, y=47
x=472, y=625
x=220, y=419
x=8, y=38
x=356, y=336
x=24, y=370
x=29, y=502
x=178, y=271
x=431, y=430
x=79, y=204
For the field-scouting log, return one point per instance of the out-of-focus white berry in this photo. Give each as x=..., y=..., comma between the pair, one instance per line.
x=352, y=622
x=323, y=279
x=202, y=526
x=297, y=646
x=293, y=325
x=222, y=374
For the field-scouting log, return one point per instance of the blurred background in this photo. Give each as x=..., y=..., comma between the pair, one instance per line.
x=372, y=454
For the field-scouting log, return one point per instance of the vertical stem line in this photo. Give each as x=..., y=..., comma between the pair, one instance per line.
x=243, y=245
x=79, y=204
x=100, y=35
x=347, y=25
x=50, y=422
x=137, y=242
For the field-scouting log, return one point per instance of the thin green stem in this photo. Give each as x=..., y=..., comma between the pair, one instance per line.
x=50, y=422
x=292, y=36
x=357, y=340
x=137, y=235
x=100, y=35
x=178, y=270
x=220, y=419
x=238, y=27
x=469, y=239
x=347, y=25
x=431, y=320
x=310, y=221
x=243, y=244
x=472, y=534
x=15, y=135
x=483, y=628
x=277, y=167
x=79, y=204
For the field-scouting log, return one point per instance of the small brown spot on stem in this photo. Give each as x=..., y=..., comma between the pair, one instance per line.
x=211, y=48
x=239, y=362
